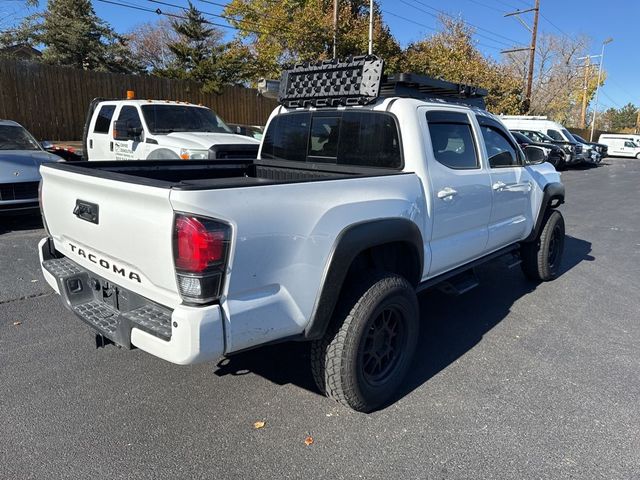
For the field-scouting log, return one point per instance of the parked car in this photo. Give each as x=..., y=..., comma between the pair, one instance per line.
x=556, y=131
x=600, y=148
x=553, y=153
x=620, y=146
x=20, y=158
x=356, y=202
x=569, y=148
x=160, y=130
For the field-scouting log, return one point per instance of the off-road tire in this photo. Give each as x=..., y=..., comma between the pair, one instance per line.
x=542, y=257
x=341, y=366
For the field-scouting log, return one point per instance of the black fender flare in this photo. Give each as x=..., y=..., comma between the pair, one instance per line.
x=553, y=197
x=352, y=241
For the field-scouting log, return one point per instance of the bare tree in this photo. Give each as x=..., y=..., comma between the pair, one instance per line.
x=149, y=44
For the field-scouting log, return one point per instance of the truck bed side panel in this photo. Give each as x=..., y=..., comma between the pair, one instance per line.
x=283, y=236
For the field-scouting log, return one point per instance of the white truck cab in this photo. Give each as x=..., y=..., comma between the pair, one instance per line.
x=160, y=130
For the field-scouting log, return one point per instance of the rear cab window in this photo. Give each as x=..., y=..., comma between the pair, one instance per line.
x=356, y=138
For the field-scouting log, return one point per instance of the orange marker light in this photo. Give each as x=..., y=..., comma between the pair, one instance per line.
x=131, y=95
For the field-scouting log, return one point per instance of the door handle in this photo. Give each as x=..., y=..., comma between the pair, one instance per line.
x=499, y=186
x=447, y=193
x=111, y=146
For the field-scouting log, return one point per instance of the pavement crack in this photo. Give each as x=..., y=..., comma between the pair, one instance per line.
x=26, y=297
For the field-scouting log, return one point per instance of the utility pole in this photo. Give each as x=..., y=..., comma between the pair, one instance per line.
x=335, y=27
x=532, y=55
x=638, y=122
x=532, y=47
x=583, y=113
x=595, y=110
x=370, y=27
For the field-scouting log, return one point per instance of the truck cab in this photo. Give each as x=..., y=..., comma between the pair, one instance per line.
x=160, y=130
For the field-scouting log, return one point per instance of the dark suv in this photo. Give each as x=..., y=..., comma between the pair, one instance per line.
x=554, y=154
x=572, y=150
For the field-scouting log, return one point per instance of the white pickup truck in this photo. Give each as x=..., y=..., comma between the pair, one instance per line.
x=358, y=200
x=160, y=130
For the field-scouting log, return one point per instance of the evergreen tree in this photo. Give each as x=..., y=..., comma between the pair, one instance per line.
x=74, y=36
x=198, y=53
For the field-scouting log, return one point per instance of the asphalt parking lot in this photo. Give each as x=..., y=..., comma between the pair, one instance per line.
x=512, y=380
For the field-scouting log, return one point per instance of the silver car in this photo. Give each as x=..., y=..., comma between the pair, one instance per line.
x=20, y=159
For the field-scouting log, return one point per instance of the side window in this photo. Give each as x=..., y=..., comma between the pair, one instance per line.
x=629, y=144
x=130, y=115
x=453, y=145
x=555, y=135
x=105, y=114
x=501, y=152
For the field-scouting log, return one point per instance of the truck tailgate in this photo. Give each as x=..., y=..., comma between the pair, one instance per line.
x=121, y=231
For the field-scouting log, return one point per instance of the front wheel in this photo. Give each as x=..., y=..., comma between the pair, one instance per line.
x=638, y=156
x=367, y=351
x=541, y=258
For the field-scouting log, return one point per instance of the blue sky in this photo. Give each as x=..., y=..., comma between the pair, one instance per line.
x=599, y=20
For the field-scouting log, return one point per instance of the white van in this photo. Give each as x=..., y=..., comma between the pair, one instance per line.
x=634, y=137
x=621, y=145
x=555, y=130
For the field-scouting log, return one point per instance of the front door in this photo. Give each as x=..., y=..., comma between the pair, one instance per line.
x=130, y=149
x=461, y=189
x=511, y=186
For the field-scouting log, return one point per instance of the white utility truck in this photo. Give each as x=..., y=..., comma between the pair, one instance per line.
x=367, y=189
x=159, y=130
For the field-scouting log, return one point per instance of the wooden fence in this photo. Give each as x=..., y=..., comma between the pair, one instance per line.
x=51, y=101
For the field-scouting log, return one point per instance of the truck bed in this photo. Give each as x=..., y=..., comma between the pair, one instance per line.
x=207, y=174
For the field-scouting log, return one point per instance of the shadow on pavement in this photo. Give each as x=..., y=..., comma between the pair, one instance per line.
x=451, y=326
x=25, y=221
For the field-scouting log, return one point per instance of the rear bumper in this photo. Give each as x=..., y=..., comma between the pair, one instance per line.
x=184, y=335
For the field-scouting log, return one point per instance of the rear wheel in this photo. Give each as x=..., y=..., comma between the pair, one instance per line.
x=638, y=156
x=366, y=352
x=541, y=258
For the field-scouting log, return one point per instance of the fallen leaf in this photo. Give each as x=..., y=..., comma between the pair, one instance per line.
x=259, y=425
x=17, y=323
x=308, y=441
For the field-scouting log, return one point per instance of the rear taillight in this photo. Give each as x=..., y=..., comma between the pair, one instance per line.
x=200, y=249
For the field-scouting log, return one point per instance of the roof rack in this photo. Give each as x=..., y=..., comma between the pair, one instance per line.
x=360, y=81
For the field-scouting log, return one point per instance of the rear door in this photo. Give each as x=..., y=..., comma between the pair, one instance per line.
x=461, y=189
x=99, y=139
x=510, y=184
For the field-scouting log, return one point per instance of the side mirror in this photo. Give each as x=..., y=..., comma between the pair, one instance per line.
x=134, y=132
x=46, y=144
x=534, y=155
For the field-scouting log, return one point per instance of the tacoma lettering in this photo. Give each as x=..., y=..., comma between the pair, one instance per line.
x=105, y=264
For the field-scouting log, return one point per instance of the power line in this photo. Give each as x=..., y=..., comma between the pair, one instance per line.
x=486, y=6
x=175, y=15
x=430, y=28
x=442, y=12
x=224, y=17
x=610, y=99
